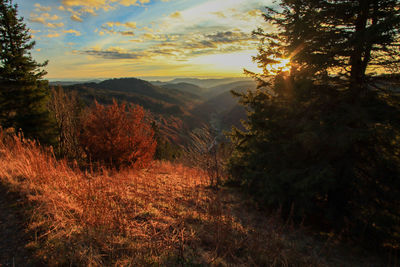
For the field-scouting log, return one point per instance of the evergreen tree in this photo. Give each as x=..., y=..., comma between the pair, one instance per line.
x=23, y=92
x=336, y=40
x=323, y=138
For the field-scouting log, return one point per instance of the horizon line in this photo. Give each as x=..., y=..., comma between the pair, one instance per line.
x=151, y=78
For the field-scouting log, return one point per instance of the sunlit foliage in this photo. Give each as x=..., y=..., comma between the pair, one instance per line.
x=118, y=135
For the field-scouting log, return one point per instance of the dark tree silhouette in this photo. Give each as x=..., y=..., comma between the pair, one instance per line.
x=339, y=40
x=23, y=92
x=323, y=138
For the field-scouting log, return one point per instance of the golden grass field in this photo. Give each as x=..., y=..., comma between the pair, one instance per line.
x=164, y=215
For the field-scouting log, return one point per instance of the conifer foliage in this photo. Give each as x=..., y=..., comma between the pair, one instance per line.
x=118, y=135
x=323, y=139
x=23, y=92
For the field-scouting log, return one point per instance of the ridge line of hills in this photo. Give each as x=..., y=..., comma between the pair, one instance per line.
x=177, y=107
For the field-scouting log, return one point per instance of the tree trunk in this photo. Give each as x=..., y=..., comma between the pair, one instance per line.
x=359, y=55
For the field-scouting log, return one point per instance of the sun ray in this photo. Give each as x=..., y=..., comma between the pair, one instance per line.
x=282, y=66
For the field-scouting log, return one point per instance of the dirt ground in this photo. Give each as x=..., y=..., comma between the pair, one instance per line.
x=13, y=236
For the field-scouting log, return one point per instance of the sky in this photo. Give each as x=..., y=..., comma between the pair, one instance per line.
x=141, y=38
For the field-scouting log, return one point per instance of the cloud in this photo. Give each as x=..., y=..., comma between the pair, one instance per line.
x=122, y=28
x=229, y=37
x=47, y=24
x=176, y=15
x=76, y=15
x=177, y=46
x=86, y=10
x=147, y=29
x=53, y=35
x=34, y=31
x=219, y=14
x=131, y=25
x=77, y=33
x=76, y=18
x=79, y=8
x=102, y=4
x=132, y=2
x=113, y=53
x=45, y=16
x=223, y=15
x=54, y=25
x=255, y=13
x=154, y=37
x=38, y=20
x=127, y=33
x=44, y=19
x=40, y=8
x=184, y=46
x=90, y=3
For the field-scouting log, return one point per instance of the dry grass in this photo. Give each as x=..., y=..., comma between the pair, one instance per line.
x=164, y=215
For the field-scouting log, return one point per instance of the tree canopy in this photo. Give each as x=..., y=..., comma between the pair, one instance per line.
x=323, y=138
x=335, y=40
x=23, y=92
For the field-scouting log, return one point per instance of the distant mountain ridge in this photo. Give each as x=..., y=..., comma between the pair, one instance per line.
x=66, y=83
x=208, y=83
x=178, y=108
x=136, y=91
x=170, y=108
x=238, y=85
x=186, y=87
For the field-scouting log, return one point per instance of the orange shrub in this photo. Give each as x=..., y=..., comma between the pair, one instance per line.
x=118, y=135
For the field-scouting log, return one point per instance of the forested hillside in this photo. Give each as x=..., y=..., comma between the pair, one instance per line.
x=178, y=108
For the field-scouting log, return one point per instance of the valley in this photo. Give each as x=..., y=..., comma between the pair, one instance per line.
x=178, y=106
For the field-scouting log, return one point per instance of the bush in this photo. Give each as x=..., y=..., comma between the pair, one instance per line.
x=66, y=109
x=117, y=135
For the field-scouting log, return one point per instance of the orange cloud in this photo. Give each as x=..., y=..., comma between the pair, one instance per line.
x=40, y=8
x=44, y=18
x=76, y=18
x=90, y=3
x=176, y=15
x=53, y=35
x=104, y=4
x=131, y=25
x=77, y=33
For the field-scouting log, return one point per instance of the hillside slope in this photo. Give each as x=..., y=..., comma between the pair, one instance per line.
x=223, y=108
x=195, y=90
x=166, y=215
x=178, y=108
x=209, y=83
x=170, y=108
